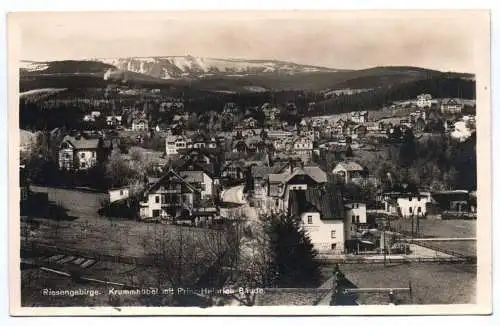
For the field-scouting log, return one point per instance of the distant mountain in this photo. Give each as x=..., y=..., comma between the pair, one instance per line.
x=176, y=67
x=222, y=75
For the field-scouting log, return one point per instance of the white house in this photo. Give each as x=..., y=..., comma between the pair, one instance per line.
x=175, y=143
x=452, y=106
x=348, y=170
x=359, y=116
x=170, y=196
x=78, y=153
x=406, y=204
x=113, y=120
x=303, y=144
x=118, y=194
x=322, y=216
x=356, y=212
x=424, y=101
x=199, y=180
x=140, y=125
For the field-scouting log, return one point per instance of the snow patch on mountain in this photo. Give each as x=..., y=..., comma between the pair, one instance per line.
x=33, y=66
x=171, y=67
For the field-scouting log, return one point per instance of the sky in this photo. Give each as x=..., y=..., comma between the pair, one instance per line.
x=442, y=40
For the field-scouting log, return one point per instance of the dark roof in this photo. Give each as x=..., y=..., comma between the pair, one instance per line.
x=170, y=176
x=82, y=143
x=448, y=196
x=329, y=204
x=192, y=176
x=186, y=165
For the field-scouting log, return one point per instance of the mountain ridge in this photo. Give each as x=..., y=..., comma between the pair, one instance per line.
x=212, y=74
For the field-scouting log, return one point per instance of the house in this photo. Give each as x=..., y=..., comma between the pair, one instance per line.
x=280, y=184
x=406, y=202
x=348, y=170
x=249, y=122
x=118, y=194
x=202, y=159
x=359, y=116
x=424, y=101
x=175, y=143
x=282, y=144
x=169, y=197
x=271, y=113
x=199, y=179
x=452, y=106
x=79, y=153
x=340, y=127
x=140, y=125
x=234, y=170
x=255, y=144
x=356, y=212
x=113, y=120
x=204, y=141
x=303, y=145
x=359, y=131
x=93, y=116
x=313, y=171
x=322, y=216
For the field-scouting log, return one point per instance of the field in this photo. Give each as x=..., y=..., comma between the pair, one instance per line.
x=431, y=283
x=112, y=236
x=444, y=229
x=79, y=204
x=439, y=228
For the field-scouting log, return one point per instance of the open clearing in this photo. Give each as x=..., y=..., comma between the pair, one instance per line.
x=112, y=236
x=439, y=228
x=443, y=229
x=431, y=283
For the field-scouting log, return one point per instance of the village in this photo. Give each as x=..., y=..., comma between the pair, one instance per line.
x=352, y=181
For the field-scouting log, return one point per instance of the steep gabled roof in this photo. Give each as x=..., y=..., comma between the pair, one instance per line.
x=171, y=174
x=350, y=166
x=82, y=143
x=329, y=204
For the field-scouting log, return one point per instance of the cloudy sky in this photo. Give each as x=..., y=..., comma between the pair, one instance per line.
x=440, y=40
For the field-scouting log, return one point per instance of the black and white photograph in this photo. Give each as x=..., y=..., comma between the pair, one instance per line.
x=232, y=161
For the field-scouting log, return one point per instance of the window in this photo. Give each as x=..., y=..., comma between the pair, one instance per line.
x=66, y=156
x=156, y=212
x=334, y=234
x=157, y=199
x=334, y=246
x=203, y=188
x=83, y=165
x=410, y=210
x=121, y=192
x=419, y=210
x=357, y=205
x=357, y=219
x=353, y=219
x=309, y=219
x=93, y=154
x=82, y=155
